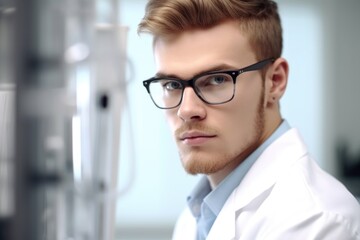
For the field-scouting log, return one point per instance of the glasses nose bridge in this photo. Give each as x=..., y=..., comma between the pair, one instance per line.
x=190, y=83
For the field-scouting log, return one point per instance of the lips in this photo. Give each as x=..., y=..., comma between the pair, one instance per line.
x=193, y=134
x=195, y=137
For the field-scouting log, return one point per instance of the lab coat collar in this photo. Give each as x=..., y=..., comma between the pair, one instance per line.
x=260, y=178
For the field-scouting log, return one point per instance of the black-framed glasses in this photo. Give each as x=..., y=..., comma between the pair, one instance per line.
x=216, y=87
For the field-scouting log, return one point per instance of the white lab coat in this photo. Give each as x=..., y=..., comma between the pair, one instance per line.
x=285, y=195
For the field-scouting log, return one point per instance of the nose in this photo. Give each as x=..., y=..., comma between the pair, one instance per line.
x=192, y=108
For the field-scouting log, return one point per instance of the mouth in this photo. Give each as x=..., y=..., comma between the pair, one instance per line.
x=194, y=138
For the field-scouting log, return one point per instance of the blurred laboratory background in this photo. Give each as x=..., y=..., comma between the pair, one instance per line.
x=84, y=153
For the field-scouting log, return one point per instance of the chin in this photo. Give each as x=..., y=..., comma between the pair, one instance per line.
x=201, y=165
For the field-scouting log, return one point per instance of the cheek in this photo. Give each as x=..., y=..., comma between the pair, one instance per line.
x=249, y=98
x=238, y=127
x=243, y=115
x=243, y=108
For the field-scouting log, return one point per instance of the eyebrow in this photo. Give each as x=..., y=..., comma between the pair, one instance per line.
x=219, y=67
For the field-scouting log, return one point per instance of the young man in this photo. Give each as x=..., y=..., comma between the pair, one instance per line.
x=220, y=76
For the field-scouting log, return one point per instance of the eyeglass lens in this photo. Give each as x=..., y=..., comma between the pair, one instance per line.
x=212, y=88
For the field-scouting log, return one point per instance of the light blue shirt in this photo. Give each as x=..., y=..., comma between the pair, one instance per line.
x=205, y=204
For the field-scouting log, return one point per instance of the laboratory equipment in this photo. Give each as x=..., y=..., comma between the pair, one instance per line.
x=68, y=83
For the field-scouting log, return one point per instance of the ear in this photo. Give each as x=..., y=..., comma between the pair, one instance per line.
x=276, y=80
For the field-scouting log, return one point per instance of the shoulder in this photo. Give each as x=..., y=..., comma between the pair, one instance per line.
x=302, y=199
x=305, y=201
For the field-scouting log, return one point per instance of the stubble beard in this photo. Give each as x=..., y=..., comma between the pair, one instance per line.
x=197, y=165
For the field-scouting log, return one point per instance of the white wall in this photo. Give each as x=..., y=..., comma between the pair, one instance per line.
x=302, y=102
x=319, y=39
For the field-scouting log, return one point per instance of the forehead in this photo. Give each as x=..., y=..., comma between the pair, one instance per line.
x=194, y=51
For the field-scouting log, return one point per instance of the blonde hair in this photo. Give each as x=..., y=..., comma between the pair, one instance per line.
x=259, y=19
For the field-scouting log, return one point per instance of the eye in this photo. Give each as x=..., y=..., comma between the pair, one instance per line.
x=172, y=85
x=217, y=79
x=214, y=80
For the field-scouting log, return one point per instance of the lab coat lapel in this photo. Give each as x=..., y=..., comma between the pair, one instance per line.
x=265, y=171
x=260, y=178
x=224, y=225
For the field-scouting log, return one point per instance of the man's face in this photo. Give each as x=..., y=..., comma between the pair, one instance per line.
x=213, y=139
